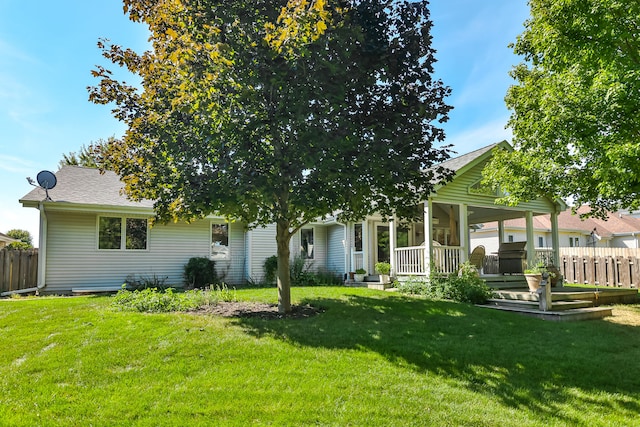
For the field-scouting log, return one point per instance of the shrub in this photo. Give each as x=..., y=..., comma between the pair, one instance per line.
x=466, y=286
x=270, y=267
x=200, y=272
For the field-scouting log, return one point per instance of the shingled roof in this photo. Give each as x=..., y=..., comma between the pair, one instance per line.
x=616, y=223
x=457, y=163
x=85, y=186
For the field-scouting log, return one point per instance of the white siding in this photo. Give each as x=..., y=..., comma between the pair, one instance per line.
x=261, y=244
x=335, y=249
x=73, y=260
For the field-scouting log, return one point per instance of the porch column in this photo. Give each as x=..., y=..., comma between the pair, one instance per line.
x=500, y=232
x=392, y=245
x=428, y=237
x=531, y=249
x=366, y=245
x=348, y=250
x=555, y=239
x=464, y=233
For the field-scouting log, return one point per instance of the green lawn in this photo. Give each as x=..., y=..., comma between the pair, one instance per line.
x=372, y=358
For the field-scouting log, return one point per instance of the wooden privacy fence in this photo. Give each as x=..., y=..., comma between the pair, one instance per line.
x=616, y=271
x=616, y=267
x=18, y=269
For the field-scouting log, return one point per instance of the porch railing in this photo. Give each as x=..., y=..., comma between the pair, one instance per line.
x=357, y=259
x=410, y=261
x=444, y=259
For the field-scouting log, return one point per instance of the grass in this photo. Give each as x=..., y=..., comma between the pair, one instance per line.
x=372, y=358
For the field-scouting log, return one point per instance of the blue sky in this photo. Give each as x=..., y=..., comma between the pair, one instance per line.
x=48, y=49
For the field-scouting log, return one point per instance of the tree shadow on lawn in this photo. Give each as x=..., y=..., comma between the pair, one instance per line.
x=525, y=362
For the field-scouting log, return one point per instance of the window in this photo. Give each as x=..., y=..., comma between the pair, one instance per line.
x=510, y=238
x=117, y=233
x=358, y=237
x=306, y=243
x=574, y=242
x=220, y=241
x=541, y=242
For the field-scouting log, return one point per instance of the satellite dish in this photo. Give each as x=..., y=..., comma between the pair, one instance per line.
x=46, y=180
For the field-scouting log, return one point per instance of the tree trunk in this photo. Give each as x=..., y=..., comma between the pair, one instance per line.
x=283, y=237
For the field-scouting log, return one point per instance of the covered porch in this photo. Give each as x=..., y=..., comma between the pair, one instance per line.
x=440, y=242
x=438, y=238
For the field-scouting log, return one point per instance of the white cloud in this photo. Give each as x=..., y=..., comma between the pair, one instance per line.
x=15, y=164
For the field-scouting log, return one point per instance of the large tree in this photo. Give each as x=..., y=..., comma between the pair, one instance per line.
x=575, y=107
x=91, y=156
x=278, y=111
x=24, y=237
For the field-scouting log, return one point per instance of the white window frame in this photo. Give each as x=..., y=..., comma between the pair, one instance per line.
x=123, y=233
x=227, y=255
x=304, y=253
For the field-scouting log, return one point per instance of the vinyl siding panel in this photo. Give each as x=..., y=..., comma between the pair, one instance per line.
x=335, y=249
x=261, y=244
x=73, y=260
x=458, y=191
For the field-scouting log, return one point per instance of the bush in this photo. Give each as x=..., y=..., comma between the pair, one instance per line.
x=270, y=267
x=200, y=272
x=466, y=286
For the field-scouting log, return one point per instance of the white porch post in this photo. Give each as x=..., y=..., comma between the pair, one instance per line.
x=392, y=245
x=555, y=239
x=464, y=233
x=531, y=249
x=366, y=245
x=428, y=237
x=348, y=249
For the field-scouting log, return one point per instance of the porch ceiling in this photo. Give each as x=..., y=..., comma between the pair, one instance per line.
x=478, y=215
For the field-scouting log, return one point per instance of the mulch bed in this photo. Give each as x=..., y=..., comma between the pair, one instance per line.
x=260, y=310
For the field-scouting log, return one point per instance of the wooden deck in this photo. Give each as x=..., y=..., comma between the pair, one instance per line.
x=568, y=303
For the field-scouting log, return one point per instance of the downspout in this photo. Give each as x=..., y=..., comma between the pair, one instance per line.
x=42, y=250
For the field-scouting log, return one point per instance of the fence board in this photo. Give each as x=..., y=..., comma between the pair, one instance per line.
x=18, y=269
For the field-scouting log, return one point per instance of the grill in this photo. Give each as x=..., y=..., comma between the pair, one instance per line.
x=512, y=257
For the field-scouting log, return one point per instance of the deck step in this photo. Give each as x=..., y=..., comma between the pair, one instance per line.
x=587, y=313
x=524, y=303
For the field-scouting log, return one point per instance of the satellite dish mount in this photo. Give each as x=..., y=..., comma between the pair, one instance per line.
x=46, y=180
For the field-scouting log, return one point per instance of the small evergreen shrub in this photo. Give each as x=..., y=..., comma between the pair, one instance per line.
x=200, y=272
x=270, y=267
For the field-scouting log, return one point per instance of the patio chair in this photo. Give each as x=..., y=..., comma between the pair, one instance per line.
x=477, y=257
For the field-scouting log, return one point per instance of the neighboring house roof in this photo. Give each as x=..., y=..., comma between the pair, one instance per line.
x=6, y=239
x=617, y=223
x=85, y=186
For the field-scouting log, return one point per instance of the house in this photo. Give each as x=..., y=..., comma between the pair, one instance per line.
x=619, y=230
x=93, y=237
x=6, y=240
